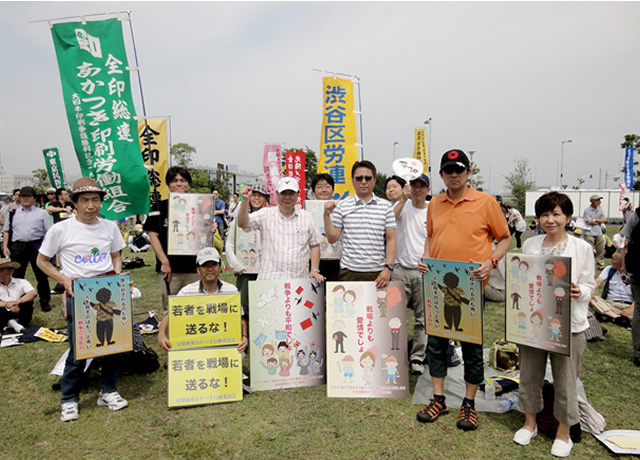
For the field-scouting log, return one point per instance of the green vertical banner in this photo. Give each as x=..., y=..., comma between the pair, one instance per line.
x=96, y=88
x=54, y=167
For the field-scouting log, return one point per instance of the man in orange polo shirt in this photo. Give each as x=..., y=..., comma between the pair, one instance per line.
x=461, y=225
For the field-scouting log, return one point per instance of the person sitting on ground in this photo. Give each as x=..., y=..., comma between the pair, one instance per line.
x=138, y=240
x=208, y=268
x=15, y=292
x=617, y=296
x=494, y=290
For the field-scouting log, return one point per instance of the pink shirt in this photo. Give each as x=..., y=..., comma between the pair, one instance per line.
x=285, y=242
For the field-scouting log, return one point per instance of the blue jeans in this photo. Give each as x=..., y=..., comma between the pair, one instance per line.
x=71, y=382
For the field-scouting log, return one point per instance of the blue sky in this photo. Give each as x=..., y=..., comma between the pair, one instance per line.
x=505, y=79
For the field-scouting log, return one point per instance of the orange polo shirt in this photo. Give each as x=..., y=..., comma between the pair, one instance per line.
x=465, y=230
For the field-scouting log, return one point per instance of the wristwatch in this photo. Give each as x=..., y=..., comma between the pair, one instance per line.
x=389, y=267
x=315, y=270
x=494, y=261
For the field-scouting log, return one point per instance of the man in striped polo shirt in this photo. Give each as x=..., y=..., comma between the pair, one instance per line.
x=368, y=229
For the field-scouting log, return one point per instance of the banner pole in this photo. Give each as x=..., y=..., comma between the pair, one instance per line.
x=146, y=122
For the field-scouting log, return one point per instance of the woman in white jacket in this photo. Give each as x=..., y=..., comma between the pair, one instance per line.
x=259, y=200
x=554, y=211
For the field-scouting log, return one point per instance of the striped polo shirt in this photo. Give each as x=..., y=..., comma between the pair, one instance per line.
x=364, y=227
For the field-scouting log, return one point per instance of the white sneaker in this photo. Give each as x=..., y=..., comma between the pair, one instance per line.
x=523, y=436
x=561, y=448
x=17, y=327
x=417, y=368
x=112, y=400
x=69, y=412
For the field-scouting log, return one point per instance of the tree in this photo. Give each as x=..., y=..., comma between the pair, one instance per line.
x=379, y=189
x=518, y=184
x=41, y=178
x=199, y=181
x=476, y=179
x=182, y=154
x=633, y=140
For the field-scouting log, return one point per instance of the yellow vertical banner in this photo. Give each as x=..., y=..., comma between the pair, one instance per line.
x=420, y=149
x=338, y=150
x=157, y=147
x=204, y=376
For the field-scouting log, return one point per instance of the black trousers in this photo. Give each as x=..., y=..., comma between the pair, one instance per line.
x=26, y=253
x=23, y=317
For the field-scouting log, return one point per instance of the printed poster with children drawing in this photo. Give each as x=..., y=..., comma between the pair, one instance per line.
x=538, y=302
x=452, y=300
x=248, y=249
x=327, y=251
x=190, y=219
x=367, y=340
x=102, y=316
x=286, y=334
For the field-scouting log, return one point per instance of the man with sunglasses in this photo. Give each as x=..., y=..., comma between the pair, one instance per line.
x=461, y=224
x=368, y=229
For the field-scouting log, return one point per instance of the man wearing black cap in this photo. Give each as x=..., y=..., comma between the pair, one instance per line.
x=24, y=230
x=461, y=224
x=411, y=232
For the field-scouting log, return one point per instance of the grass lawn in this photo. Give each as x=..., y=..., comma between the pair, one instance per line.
x=293, y=423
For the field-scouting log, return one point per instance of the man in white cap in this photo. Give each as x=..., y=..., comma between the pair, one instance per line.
x=289, y=236
x=593, y=219
x=208, y=268
x=87, y=246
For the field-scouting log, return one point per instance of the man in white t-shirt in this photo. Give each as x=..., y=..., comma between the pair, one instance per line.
x=411, y=233
x=87, y=246
x=208, y=267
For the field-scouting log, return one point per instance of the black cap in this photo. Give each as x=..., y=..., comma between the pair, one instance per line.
x=454, y=157
x=27, y=191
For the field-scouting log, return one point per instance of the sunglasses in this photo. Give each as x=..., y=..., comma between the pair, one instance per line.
x=450, y=169
x=363, y=178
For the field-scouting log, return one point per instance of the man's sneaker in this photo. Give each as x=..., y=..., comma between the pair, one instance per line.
x=432, y=411
x=112, y=400
x=17, y=327
x=69, y=412
x=468, y=418
x=417, y=368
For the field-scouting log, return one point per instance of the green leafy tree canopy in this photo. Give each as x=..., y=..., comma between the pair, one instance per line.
x=518, y=183
x=41, y=180
x=182, y=154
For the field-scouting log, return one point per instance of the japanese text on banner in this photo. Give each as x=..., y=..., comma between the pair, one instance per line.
x=338, y=150
x=97, y=94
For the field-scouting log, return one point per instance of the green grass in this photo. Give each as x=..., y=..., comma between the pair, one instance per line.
x=294, y=423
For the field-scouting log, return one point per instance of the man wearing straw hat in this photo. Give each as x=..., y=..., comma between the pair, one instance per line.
x=87, y=246
x=16, y=298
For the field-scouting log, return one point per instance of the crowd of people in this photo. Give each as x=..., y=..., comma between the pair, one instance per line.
x=382, y=240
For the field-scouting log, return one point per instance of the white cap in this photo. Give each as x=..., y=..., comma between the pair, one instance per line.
x=207, y=255
x=287, y=183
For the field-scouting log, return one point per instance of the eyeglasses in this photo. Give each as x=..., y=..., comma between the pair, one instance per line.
x=363, y=178
x=450, y=169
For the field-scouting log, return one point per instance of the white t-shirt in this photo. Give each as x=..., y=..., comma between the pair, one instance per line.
x=411, y=233
x=84, y=250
